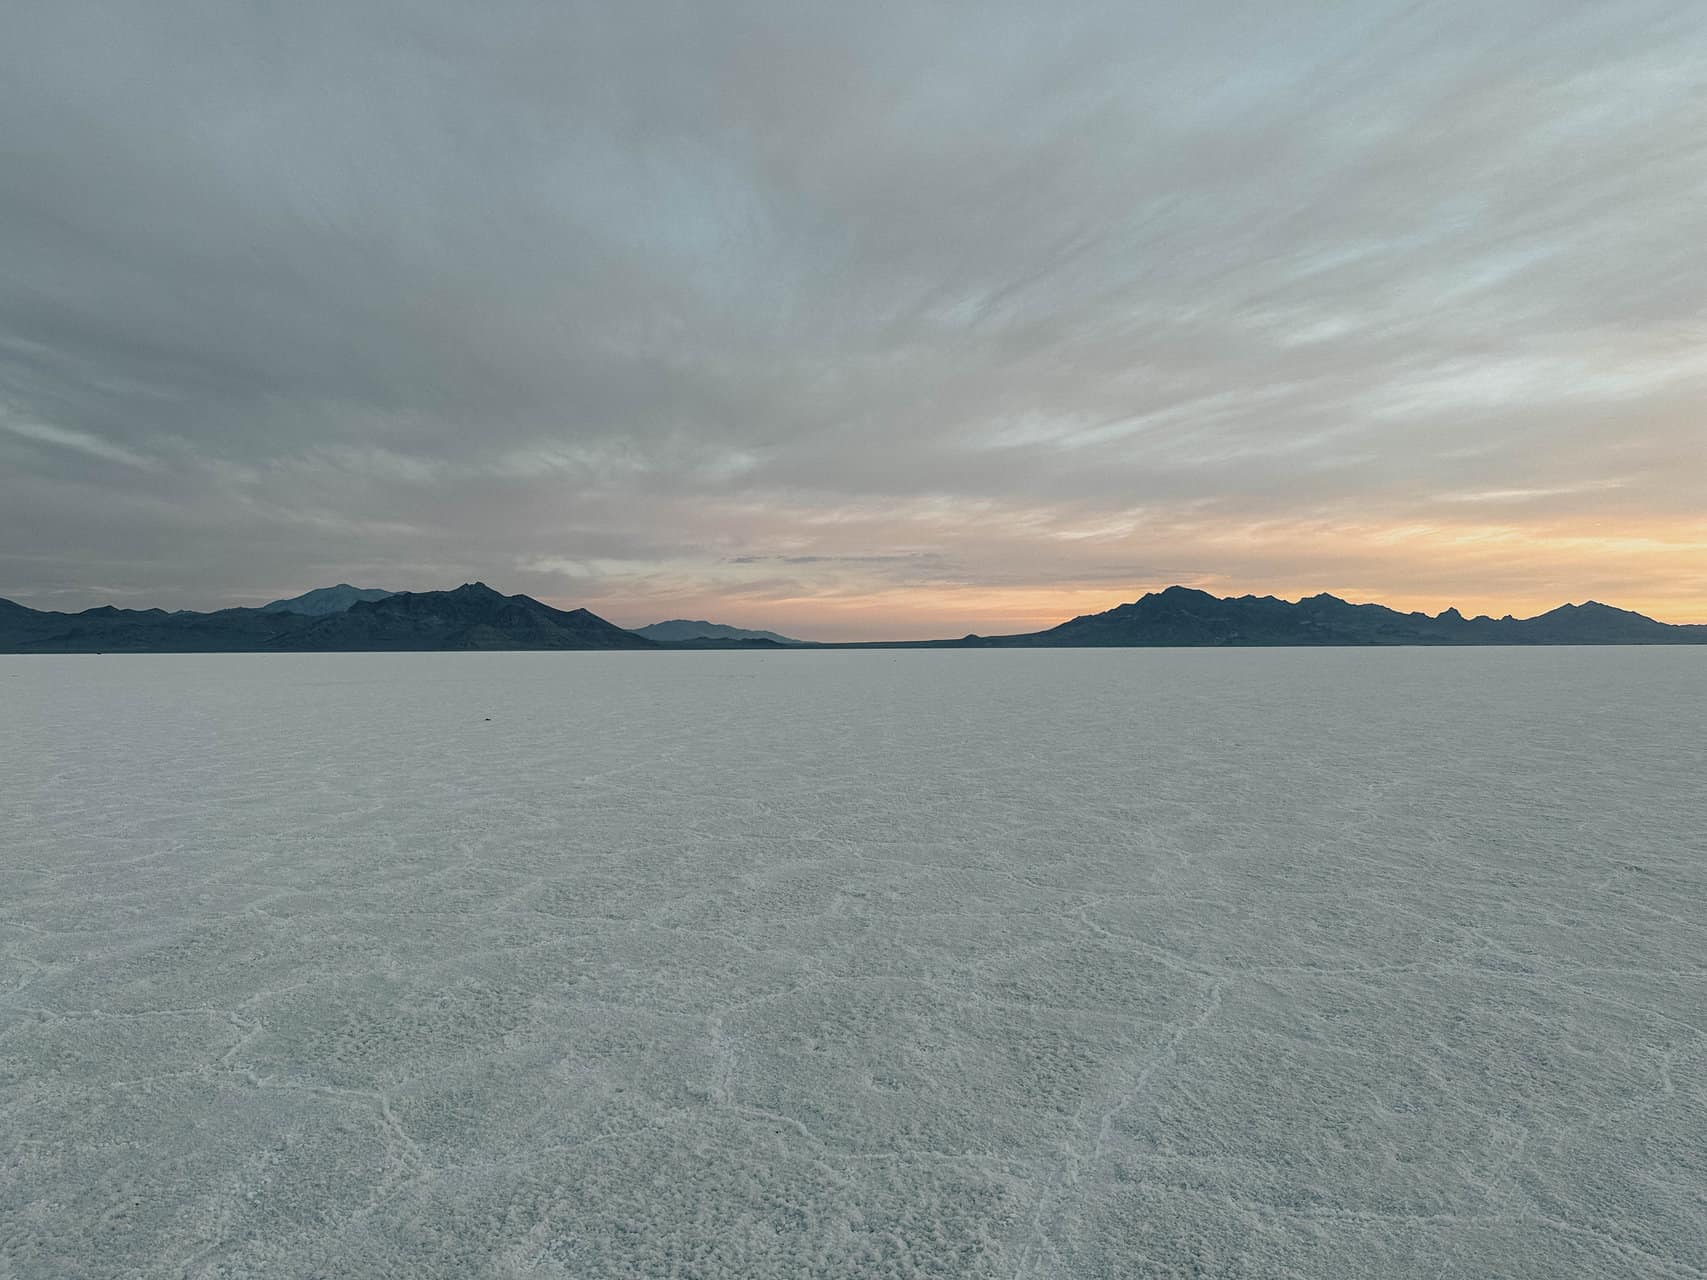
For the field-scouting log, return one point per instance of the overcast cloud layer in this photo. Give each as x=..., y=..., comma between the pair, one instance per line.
x=855, y=320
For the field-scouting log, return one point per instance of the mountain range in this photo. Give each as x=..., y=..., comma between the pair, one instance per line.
x=471, y=617
x=1181, y=616
x=474, y=616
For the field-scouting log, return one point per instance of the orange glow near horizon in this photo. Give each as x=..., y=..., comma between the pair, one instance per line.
x=934, y=613
x=1656, y=568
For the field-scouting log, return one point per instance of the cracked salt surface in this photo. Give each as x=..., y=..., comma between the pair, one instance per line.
x=1022, y=964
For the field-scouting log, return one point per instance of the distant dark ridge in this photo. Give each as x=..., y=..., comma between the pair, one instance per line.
x=474, y=616
x=1181, y=616
x=471, y=617
x=677, y=629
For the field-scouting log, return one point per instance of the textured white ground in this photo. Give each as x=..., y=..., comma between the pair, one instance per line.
x=1071, y=964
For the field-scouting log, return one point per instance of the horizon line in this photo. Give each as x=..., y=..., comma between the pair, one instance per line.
x=783, y=629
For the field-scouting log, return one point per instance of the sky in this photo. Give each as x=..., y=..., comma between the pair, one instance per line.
x=855, y=321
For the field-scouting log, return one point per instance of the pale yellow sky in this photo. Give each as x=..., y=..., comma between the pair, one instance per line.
x=1658, y=568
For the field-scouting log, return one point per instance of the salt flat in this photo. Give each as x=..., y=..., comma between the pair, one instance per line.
x=1070, y=964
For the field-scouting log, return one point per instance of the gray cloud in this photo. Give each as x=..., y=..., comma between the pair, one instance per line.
x=772, y=306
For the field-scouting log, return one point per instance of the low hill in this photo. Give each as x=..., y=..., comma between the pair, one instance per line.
x=678, y=629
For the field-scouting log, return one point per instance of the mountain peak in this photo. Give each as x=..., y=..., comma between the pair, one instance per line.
x=1175, y=594
x=324, y=600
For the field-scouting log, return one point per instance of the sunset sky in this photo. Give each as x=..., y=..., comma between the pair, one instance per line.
x=856, y=321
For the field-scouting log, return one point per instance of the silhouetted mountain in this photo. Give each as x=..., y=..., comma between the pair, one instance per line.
x=324, y=600
x=1596, y=623
x=1181, y=616
x=471, y=617
x=107, y=629
x=678, y=629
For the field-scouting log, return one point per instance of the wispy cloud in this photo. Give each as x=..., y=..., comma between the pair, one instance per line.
x=853, y=312
x=86, y=443
x=1533, y=494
